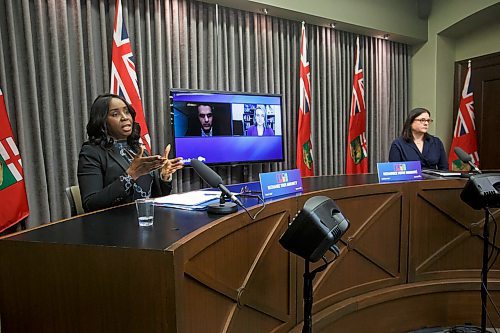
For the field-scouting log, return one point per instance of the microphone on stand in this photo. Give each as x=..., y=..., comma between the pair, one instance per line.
x=214, y=180
x=464, y=157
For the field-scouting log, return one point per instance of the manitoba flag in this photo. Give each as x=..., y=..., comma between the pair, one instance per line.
x=357, y=147
x=304, y=145
x=12, y=190
x=464, y=135
x=123, y=74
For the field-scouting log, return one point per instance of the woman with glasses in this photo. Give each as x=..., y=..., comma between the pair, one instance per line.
x=416, y=144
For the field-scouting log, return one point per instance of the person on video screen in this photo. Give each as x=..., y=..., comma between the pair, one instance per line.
x=204, y=125
x=259, y=128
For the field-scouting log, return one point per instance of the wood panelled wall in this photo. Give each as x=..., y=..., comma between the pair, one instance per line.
x=411, y=258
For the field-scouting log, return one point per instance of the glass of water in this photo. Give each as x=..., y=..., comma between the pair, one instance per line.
x=145, y=211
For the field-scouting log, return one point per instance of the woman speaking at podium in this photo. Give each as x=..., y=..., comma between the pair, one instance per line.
x=113, y=167
x=415, y=144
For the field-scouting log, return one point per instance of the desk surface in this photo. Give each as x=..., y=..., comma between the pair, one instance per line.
x=118, y=226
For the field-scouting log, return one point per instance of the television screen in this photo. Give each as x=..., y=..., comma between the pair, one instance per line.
x=219, y=127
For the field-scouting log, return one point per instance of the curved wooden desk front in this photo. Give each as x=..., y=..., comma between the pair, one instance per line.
x=410, y=259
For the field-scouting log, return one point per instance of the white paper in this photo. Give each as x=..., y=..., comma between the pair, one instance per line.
x=442, y=173
x=193, y=198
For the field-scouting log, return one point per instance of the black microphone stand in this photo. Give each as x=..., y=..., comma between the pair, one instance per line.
x=222, y=207
x=308, y=294
x=484, y=270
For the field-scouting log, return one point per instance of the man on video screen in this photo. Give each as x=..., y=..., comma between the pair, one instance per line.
x=204, y=125
x=209, y=122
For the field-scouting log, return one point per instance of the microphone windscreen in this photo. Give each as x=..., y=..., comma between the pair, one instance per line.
x=207, y=174
x=462, y=155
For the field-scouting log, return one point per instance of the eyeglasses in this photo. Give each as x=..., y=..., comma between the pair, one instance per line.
x=423, y=120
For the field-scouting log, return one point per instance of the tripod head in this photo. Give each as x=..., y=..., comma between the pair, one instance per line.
x=482, y=191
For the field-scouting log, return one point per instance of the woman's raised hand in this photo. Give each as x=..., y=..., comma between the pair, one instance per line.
x=141, y=165
x=171, y=165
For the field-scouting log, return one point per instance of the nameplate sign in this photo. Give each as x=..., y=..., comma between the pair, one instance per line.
x=399, y=171
x=275, y=184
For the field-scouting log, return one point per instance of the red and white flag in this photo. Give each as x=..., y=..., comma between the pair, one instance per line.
x=357, y=147
x=304, y=145
x=123, y=74
x=464, y=135
x=12, y=188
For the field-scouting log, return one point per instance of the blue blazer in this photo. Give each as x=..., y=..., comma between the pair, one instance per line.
x=432, y=156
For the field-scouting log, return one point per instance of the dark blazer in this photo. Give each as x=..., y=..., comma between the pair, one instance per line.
x=433, y=155
x=99, y=172
x=196, y=131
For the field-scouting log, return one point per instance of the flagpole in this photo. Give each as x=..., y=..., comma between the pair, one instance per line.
x=304, y=158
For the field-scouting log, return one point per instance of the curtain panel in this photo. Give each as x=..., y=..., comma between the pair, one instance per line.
x=55, y=59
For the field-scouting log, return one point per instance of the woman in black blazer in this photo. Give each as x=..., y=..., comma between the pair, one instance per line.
x=415, y=144
x=113, y=167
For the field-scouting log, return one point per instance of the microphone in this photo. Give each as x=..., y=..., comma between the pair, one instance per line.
x=464, y=157
x=214, y=180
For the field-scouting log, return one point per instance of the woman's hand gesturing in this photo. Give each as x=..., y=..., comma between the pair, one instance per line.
x=141, y=165
x=170, y=166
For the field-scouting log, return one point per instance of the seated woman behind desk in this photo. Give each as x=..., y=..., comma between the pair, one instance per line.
x=259, y=128
x=415, y=144
x=113, y=167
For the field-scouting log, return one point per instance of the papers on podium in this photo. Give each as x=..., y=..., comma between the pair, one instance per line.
x=441, y=173
x=194, y=200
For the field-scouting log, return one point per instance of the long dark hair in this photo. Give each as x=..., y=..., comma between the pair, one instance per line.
x=97, y=128
x=406, y=133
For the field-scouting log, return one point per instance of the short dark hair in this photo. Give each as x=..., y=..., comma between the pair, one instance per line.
x=97, y=129
x=406, y=133
x=204, y=104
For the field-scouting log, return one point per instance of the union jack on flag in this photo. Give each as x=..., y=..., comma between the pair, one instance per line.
x=304, y=145
x=357, y=149
x=464, y=135
x=123, y=74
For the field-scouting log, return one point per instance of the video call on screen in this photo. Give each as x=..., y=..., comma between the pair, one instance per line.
x=239, y=127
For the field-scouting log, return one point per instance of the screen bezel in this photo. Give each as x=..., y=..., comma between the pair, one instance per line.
x=220, y=92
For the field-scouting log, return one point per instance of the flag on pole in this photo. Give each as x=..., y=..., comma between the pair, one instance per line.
x=464, y=135
x=12, y=189
x=123, y=74
x=357, y=147
x=304, y=145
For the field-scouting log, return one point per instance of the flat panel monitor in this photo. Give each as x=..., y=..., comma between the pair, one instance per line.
x=220, y=127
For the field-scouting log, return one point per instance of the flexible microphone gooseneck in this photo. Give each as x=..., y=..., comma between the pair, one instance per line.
x=214, y=180
x=464, y=157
